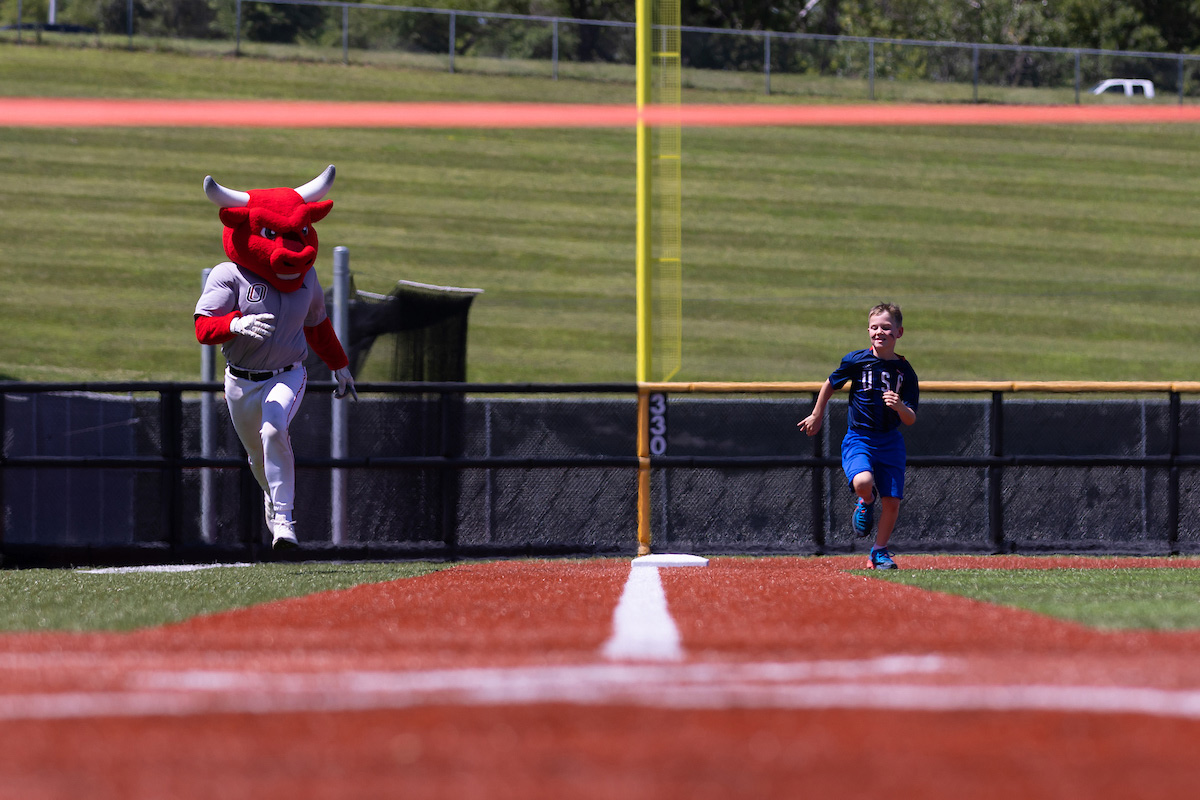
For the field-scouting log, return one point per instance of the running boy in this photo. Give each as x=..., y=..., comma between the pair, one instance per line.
x=883, y=394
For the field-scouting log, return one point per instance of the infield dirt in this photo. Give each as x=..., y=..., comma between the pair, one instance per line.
x=798, y=679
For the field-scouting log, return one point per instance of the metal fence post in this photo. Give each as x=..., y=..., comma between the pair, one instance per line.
x=346, y=34
x=489, y=483
x=1077, y=77
x=3, y=473
x=1147, y=473
x=767, y=58
x=818, y=489
x=554, y=49
x=1179, y=78
x=975, y=74
x=644, y=523
x=237, y=47
x=449, y=421
x=453, y=35
x=1173, y=477
x=208, y=373
x=995, y=474
x=339, y=417
x=171, y=422
x=871, y=70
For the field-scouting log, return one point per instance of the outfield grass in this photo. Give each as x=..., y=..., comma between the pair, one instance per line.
x=1152, y=599
x=79, y=600
x=1017, y=253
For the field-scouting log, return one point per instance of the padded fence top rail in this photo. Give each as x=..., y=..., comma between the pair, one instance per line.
x=1078, y=387
x=679, y=387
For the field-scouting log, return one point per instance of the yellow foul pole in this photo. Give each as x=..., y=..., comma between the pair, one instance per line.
x=645, y=340
x=645, y=59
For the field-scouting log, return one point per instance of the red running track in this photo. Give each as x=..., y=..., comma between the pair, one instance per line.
x=119, y=112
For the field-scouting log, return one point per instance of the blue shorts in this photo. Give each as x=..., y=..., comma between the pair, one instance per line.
x=881, y=454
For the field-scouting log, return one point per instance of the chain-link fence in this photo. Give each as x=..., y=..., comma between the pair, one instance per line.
x=124, y=473
x=998, y=473
x=811, y=65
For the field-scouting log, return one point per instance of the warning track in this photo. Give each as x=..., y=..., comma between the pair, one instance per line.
x=134, y=112
x=499, y=680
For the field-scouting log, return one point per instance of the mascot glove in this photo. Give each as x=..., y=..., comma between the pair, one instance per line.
x=345, y=382
x=256, y=326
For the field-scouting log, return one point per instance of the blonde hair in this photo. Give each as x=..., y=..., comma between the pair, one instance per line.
x=888, y=308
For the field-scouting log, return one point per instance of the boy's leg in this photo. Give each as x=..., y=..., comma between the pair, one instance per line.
x=864, y=486
x=856, y=463
x=888, y=513
x=863, y=517
x=881, y=557
x=889, y=479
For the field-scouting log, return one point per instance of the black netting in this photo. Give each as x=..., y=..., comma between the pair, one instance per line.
x=1085, y=428
x=444, y=474
x=1189, y=510
x=74, y=505
x=408, y=507
x=943, y=509
x=414, y=333
x=1087, y=508
x=583, y=510
x=1189, y=429
x=735, y=510
x=549, y=427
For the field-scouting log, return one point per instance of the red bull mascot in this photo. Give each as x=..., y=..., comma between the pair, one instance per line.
x=266, y=308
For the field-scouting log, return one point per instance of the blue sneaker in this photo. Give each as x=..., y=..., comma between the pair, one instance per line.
x=881, y=558
x=863, y=518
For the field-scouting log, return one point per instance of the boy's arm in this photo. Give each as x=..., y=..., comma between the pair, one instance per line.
x=906, y=414
x=812, y=423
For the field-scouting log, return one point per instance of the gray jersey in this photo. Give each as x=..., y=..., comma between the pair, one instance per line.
x=233, y=288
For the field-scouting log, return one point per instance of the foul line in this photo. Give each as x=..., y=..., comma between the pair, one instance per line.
x=848, y=685
x=642, y=625
x=51, y=112
x=158, y=568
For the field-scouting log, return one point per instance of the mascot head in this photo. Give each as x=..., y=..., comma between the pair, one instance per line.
x=270, y=231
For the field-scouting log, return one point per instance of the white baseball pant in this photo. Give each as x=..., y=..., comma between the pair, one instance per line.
x=262, y=412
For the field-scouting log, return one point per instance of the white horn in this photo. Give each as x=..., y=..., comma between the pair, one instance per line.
x=318, y=187
x=225, y=198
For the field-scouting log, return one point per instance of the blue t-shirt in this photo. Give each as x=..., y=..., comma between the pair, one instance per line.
x=870, y=376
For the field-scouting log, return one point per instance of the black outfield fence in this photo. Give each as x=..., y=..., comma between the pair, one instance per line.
x=118, y=473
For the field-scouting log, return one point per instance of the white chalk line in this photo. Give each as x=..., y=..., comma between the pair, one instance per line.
x=156, y=568
x=643, y=629
x=873, y=684
x=192, y=692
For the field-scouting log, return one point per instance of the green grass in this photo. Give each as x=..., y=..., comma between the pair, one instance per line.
x=76, y=600
x=1151, y=598
x=1017, y=253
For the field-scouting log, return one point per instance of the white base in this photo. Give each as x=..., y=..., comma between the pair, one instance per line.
x=670, y=560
